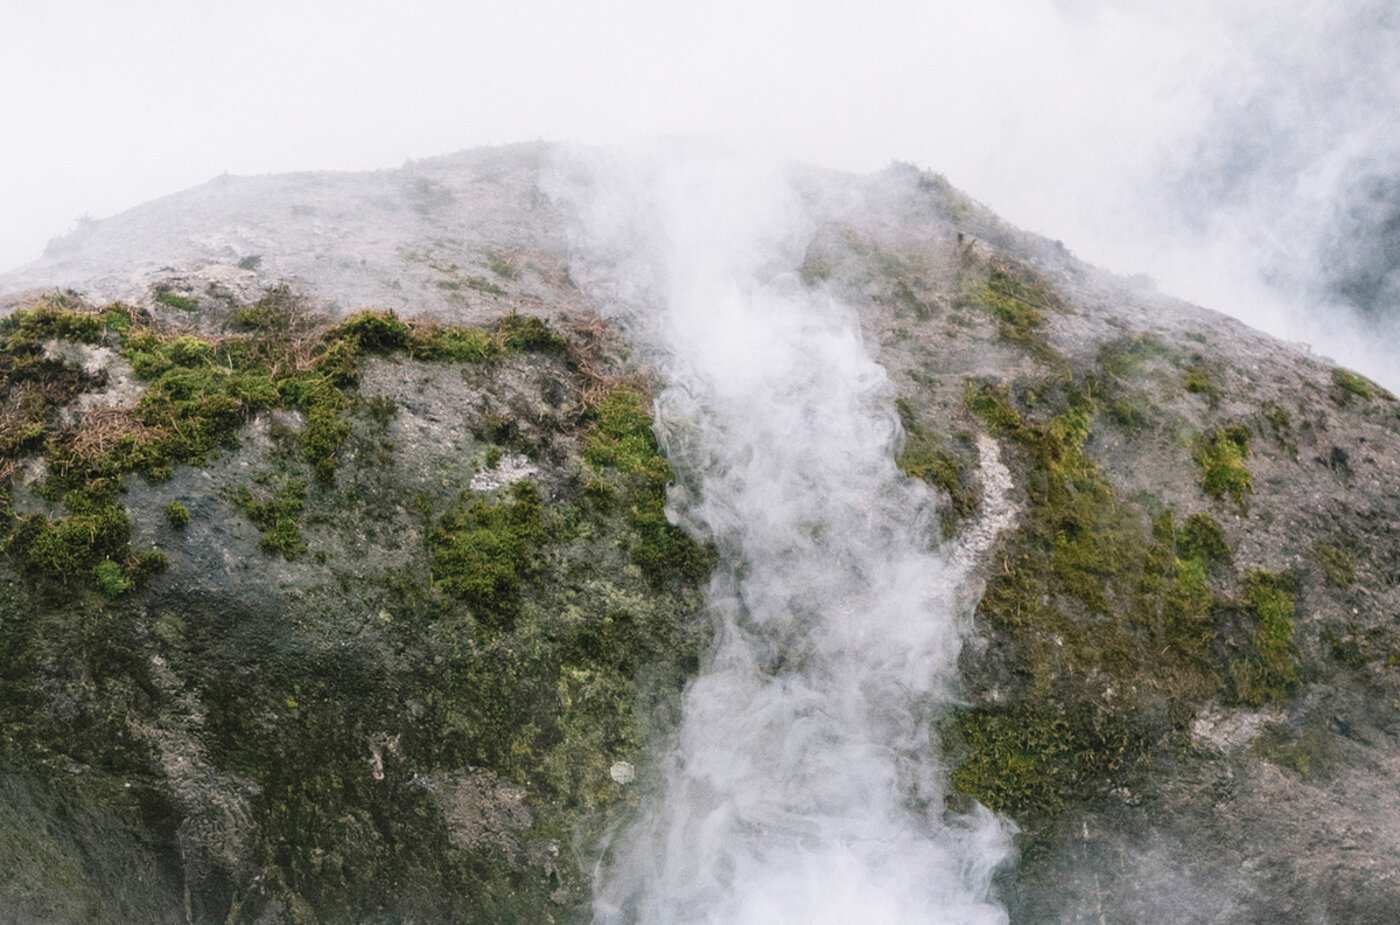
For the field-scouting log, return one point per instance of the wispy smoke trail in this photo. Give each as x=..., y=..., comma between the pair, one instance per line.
x=1277, y=199
x=805, y=786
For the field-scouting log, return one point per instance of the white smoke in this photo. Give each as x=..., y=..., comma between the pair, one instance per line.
x=1267, y=183
x=805, y=785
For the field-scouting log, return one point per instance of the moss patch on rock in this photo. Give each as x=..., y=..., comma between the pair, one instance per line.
x=423, y=731
x=1017, y=298
x=1221, y=456
x=923, y=457
x=1113, y=611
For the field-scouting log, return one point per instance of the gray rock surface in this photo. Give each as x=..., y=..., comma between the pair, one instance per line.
x=1226, y=811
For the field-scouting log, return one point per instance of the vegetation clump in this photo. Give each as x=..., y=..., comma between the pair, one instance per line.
x=1350, y=384
x=278, y=516
x=1338, y=564
x=620, y=438
x=923, y=457
x=175, y=300
x=60, y=549
x=1017, y=298
x=199, y=392
x=1221, y=456
x=514, y=650
x=1268, y=673
x=1196, y=380
x=1111, y=610
x=1032, y=761
x=483, y=551
x=1123, y=359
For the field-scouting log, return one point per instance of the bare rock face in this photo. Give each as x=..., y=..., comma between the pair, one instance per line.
x=463, y=237
x=380, y=681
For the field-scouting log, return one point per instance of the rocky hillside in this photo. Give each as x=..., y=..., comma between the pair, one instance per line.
x=341, y=587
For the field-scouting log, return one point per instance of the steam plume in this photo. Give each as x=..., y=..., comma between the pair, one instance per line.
x=804, y=786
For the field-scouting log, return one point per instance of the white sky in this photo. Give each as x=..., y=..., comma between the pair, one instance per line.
x=1067, y=117
x=108, y=104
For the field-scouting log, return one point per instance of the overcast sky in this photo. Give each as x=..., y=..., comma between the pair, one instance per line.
x=1104, y=123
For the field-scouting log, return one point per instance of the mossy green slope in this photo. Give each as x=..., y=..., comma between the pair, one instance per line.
x=419, y=732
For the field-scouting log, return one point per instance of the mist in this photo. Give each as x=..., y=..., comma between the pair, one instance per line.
x=804, y=784
x=1242, y=155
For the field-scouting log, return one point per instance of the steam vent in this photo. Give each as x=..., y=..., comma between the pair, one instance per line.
x=646, y=536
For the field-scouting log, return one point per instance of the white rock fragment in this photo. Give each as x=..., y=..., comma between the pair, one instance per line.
x=623, y=772
x=512, y=468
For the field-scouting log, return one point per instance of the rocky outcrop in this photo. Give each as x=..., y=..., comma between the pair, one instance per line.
x=423, y=600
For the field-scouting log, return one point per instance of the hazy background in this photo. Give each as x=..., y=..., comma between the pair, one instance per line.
x=1244, y=154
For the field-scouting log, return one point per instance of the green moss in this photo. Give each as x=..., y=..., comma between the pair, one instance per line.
x=924, y=458
x=147, y=564
x=373, y=331
x=27, y=327
x=504, y=267
x=59, y=549
x=1220, y=455
x=462, y=345
x=484, y=285
x=1202, y=540
x=385, y=332
x=177, y=515
x=621, y=439
x=1280, y=426
x=1196, y=380
x=112, y=577
x=275, y=314
x=1338, y=564
x=174, y=300
x=1310, y=754
x=1349, y=383
x=1017, y=298
x=483, y=551
x=1125, y=414
x=1108, y=608
x=310, y=700
x=1029, y=761
x=991, y=401
x=529, y=334
x=278, y=516
x=1268, y=671
x=326, y=432
x=1123, y=359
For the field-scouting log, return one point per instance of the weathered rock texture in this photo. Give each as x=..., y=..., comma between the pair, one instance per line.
x=1186, y=689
